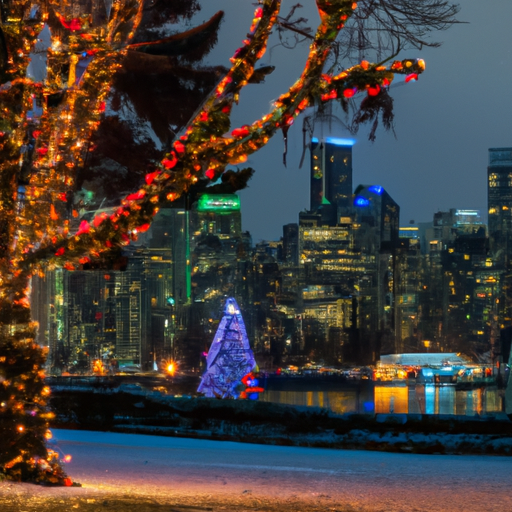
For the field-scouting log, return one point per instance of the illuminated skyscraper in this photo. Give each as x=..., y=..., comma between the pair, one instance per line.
x=218, y=215
x=499, y=202
x=376, y=208
x=378, y=216
x=216, y=239
x=499, y=199
x=331, y=177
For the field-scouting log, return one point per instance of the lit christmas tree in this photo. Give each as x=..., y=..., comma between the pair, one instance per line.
x=50, y=108
x=49, y=117
x=230, y=357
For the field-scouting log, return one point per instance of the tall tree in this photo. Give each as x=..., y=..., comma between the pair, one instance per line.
x=47, y=127
x=153, y=95
x=48, y=101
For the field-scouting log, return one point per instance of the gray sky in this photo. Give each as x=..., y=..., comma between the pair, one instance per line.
x=444, y=123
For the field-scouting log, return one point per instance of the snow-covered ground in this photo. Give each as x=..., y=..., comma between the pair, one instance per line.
x=234, y=476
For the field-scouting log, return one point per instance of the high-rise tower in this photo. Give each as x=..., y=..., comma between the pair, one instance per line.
x=499, y=201
x=331, y=177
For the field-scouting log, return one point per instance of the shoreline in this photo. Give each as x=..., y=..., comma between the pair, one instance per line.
x=259, y=422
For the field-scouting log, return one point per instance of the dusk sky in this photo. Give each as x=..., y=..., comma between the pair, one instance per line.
x=444, y=123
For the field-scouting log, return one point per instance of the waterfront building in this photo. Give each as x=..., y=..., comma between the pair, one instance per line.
x=407, y=288
x=379, y=217
x=499, y=196
x=216, y=246
x=468, y=300
x=456, y=302
x=47, y=305
x=328, y=252
x=131, y=313
x=215, y=241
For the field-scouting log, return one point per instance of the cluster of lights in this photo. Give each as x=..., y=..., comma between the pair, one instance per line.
x=252, y=387
x=205, y=149
x=170, y=368
x=23, y=415
x=44, y=134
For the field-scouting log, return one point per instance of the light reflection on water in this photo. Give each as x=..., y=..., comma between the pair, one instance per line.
x=424, y=399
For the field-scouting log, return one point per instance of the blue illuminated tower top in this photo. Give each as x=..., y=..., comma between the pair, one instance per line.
x=331, y=176
x=375, y=207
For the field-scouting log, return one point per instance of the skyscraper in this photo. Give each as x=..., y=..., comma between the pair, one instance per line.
x=378, y=216
x=290, y=243
x=375, y=207
x=499, y=201
x=331, y=177
x=215, y=241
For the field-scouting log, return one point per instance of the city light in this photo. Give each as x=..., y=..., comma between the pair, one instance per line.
x=335, y=141
x=361, y=201
x=170, y=368
x=376, y=189
x=218, y=202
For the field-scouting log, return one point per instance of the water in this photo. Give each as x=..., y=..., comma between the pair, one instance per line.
x=419, y=399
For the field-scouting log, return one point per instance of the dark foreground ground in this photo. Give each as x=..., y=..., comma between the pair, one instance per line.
x=112, y=502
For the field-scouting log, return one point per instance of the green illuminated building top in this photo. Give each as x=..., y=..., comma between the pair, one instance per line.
x=218, y=203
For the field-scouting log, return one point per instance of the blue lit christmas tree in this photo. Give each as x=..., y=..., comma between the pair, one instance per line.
x=230, y=357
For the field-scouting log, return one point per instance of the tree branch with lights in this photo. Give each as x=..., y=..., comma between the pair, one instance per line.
x=40, y=151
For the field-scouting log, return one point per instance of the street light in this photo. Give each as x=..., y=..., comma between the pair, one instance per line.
x=170, y=368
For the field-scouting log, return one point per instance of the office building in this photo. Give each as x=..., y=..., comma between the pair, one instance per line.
x=499, y=202
x=290, y=244
x=215, y=243
x=331, y=177
x=407, y=279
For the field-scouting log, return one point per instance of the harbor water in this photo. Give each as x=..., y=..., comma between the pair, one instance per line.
x=370, y=397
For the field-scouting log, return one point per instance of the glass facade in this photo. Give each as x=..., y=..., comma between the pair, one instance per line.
x=331, y=177
x=499, y=200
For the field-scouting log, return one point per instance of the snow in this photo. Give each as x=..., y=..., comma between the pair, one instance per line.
x=235, y=476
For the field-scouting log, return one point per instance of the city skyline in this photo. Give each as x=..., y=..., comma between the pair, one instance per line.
x=445, y=123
